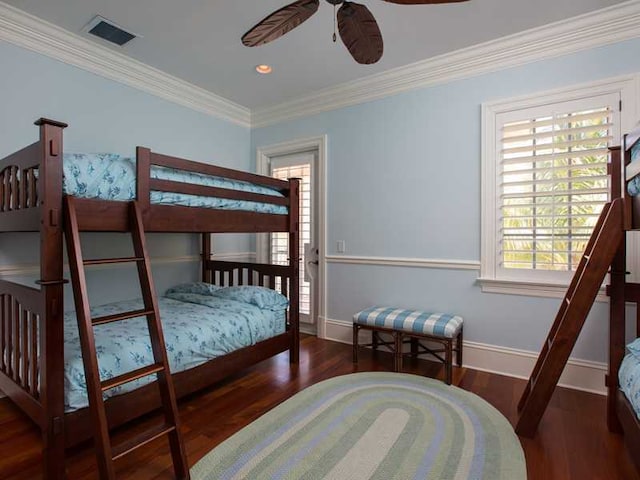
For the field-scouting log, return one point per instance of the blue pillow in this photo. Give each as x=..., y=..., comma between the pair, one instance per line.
x=634, y=348
x=261, y=297
x=199, y=288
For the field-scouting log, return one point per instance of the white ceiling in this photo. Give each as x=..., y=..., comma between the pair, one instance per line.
x=199, y=40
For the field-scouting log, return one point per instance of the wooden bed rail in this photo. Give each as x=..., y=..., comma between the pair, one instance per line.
x=228, y=274
x=215, y=171
x=145, y=159
x=18, y=179
x=20, y=359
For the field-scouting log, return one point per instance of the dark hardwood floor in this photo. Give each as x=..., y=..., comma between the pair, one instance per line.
x=572, y=443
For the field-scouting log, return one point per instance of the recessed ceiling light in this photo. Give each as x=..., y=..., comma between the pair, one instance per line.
x=264, y=69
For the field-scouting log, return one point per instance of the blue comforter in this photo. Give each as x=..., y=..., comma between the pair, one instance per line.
x=629, y=377
x=196, y=328
x=108, y=176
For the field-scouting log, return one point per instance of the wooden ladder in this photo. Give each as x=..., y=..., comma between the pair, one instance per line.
x=106, y=452
x=577, y=302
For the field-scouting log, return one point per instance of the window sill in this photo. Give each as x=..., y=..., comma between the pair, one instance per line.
x=530, y=289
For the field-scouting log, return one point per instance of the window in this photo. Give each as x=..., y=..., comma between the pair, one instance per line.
x=545, y=182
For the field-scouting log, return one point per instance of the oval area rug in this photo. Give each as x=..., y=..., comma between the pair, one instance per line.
x=377, y=425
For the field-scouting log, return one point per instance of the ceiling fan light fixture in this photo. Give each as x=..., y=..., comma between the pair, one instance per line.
x=264, y=69
x=358, y=28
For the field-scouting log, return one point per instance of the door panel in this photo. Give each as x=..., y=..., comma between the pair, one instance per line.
x=300, y=166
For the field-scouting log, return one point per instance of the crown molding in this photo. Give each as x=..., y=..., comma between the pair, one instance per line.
x=594, y=29
x=27, y=31
x=601, y=27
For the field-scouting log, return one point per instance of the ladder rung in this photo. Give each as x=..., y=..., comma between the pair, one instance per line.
x=131, y=376
x=104, y=261
x=121, y=316
x=141, y=439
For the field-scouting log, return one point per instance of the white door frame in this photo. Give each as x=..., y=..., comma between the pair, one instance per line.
x=319, y=146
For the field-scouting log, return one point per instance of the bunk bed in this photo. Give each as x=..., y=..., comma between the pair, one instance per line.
x=605, y=253
x=32, y=320
x=623, y=377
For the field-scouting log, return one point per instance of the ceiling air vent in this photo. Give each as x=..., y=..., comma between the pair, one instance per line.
x=109, y=31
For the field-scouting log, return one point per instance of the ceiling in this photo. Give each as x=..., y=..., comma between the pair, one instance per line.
x=199, y=40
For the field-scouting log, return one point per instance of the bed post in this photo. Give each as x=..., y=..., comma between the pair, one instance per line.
x=294, y=262
x=143, y=175
x=616, y=292
x=51, y=283
x=207, y=274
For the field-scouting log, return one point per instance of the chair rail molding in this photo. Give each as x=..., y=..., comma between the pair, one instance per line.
x=28, y=31
x=594, y=29
x=445, y=264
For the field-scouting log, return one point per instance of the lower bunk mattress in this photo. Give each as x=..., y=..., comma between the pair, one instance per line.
x=197, y=327
x=629, y=379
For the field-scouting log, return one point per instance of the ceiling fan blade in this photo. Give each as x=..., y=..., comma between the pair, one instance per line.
x=360, y=33
x=280, y=22
x=423, y=2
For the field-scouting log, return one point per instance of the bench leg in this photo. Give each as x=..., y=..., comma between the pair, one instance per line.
x=374, y=340
x=356, y=330
x=448, y=365
x=459, y=349
x=397, y=364
x=414, y=348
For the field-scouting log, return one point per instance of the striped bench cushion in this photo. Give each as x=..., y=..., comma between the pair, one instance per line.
x=412, y=321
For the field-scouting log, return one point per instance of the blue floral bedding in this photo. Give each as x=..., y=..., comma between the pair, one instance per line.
x=109, y=176
x=196, y=328
x=633, y=186
x=629, y=377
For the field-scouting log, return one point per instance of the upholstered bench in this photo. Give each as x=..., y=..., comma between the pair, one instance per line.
x=414, y=326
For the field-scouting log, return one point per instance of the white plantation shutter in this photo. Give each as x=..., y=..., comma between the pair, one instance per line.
x=279, y=248
x=551, y=182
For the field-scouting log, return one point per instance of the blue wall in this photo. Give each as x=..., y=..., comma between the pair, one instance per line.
x=105, y=116
x=404, y=181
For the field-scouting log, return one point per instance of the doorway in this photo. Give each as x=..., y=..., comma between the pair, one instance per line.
x=303, y=160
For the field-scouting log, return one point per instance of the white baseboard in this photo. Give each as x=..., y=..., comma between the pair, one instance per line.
x=579, y=374
x=308, y=328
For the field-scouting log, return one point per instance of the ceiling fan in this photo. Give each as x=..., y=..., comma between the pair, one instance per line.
x=358, y=29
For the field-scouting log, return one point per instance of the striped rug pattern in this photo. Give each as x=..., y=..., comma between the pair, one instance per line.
x=377, y=425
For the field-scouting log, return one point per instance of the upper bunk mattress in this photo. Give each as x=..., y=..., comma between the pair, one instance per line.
x=197, y=328
x=108, y=176
x=629, y=377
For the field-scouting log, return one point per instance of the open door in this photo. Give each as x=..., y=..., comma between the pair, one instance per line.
x=304, y=167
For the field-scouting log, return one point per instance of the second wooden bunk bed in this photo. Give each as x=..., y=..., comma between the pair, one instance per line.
x=31, y=319
x=606, y=252
x=621, y=416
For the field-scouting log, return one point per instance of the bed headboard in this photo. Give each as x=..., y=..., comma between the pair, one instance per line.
x=229, y=274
